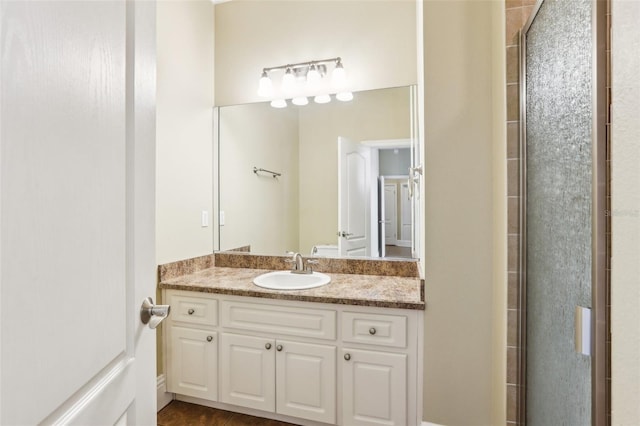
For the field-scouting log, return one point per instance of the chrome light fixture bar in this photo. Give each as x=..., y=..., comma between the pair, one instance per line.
x=303, y=80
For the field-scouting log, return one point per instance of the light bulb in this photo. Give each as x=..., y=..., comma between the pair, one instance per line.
x=339, y=76
x=265, y=87
x=313, y=77
x=279, y=103
x=288, y=81
x=322, y=99
x=344, y=96
x=300, y=101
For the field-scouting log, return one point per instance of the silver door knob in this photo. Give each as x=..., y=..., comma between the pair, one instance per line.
x=153, y=314
x=344, y=234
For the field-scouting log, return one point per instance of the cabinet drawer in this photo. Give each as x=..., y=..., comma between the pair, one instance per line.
x=193, y=310
x=375, y=329
x=316, y=323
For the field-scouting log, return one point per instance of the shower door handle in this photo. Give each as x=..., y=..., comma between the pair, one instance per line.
x=582, y=331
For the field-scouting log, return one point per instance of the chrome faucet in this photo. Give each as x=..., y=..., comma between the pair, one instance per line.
x=299, y=264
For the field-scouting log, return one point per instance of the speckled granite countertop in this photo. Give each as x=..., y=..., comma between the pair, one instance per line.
x=345, y=289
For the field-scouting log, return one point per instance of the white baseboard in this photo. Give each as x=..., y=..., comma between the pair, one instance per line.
x=164, y=397
x=430, y=424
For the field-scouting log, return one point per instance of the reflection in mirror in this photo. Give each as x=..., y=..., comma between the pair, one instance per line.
x=341, y=187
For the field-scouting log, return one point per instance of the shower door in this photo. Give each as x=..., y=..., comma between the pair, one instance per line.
x=562, y=215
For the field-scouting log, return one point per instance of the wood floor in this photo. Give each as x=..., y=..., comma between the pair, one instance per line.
x=397, y=251
x=179, y=413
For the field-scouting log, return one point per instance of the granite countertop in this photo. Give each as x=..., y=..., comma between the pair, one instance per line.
x=345, y=289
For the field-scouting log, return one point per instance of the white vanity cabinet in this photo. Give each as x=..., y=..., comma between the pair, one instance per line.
x=192, y=345
x=286, y=377
x=303, y=362
x=375, y=381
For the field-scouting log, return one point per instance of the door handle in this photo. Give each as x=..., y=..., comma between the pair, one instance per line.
x=153, y=314
x=344, y=234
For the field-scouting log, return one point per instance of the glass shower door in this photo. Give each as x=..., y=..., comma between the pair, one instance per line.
x=559, y=171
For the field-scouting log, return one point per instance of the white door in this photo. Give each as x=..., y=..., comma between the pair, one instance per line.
x=353, y=198
x=382, y=237
x=77, y=192
x=374, y=386
x=247, y=371
x=406, y=228
x=391, y=214
x=306, y=381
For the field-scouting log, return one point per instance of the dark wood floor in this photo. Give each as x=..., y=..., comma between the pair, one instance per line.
x=179, y=413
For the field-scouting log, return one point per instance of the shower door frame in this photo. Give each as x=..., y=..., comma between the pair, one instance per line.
x=599, y=325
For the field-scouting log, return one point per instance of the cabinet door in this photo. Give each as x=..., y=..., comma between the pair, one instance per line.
x=247, y=371
x=375, y=388
x=192, y=363
x=306, y=381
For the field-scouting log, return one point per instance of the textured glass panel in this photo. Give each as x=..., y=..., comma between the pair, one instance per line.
x=559, y=169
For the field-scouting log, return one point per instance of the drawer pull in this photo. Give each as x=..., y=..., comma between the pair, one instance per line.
x=279, y=348
x=190, y=311
x=372, y=331
x=209, y=338
x=347, y=357
x=267, y=346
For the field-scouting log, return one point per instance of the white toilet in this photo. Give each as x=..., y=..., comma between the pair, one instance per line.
x=324, y=250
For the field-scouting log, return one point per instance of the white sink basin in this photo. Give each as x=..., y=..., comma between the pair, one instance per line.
x=286, y=280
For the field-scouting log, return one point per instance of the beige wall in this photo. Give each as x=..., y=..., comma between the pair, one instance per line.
x=185, y=40
x=376, y=40
x=461, y=134
x=259, y=210
x=625, y=187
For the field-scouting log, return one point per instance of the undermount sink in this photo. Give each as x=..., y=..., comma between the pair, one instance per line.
x=287, y=280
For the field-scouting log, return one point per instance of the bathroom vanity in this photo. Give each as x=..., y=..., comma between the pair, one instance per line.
x=348, y=353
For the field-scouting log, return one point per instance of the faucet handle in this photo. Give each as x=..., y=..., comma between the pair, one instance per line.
x=311, y=262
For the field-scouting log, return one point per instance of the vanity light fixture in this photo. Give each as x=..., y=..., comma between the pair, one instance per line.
x=322, y=99
x=265, y=87
x=305, y=79
x=300, y=100
x=344, y=96
x=279, y=103
x=288, y=81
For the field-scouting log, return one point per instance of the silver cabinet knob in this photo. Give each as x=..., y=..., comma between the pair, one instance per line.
x=153, y=314
x=209, y=338
x=372, y=331
x=279, y=348
x=267, y=346
x=347, y=357
x=190, y=311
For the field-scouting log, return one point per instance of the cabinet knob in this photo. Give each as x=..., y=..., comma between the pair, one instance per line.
x=372, y=331
x=267, y=346
x=347, y=356
x=279, y=348
x=190, y=311
x=209, y=338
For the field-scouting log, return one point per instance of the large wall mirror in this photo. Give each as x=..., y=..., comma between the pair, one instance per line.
x=329, y=180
